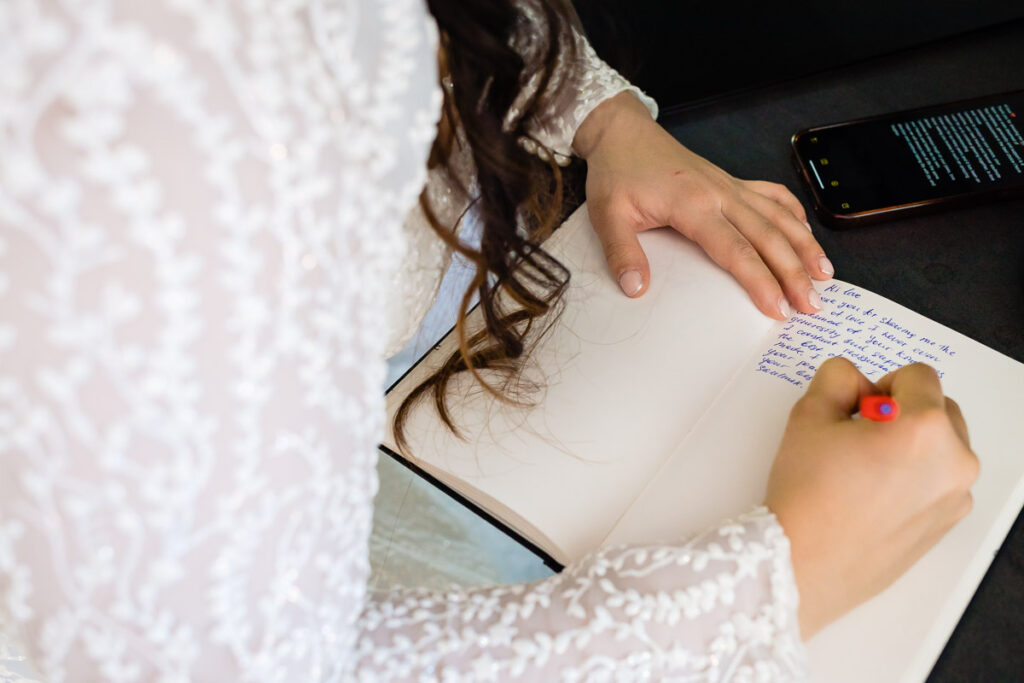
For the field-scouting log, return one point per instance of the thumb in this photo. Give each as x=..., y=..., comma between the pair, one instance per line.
x=837, y=388
x=622, y=250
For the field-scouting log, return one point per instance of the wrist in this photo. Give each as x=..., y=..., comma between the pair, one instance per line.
x=622, y=112
x=812, y=573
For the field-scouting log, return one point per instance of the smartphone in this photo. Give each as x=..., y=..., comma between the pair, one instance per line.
x=915, y=161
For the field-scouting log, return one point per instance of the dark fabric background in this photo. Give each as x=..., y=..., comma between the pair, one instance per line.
x=681, y=51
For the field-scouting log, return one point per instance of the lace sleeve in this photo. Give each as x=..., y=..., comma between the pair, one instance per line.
x=581, y=81
x=719, y=607
x=199, y=204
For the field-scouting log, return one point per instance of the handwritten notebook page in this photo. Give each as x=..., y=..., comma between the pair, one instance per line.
x=626, y=380
x=722, y=467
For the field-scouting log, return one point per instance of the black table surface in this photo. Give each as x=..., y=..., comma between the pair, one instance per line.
x=962, y=268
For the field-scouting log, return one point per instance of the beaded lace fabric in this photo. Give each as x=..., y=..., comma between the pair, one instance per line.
x=202, y=204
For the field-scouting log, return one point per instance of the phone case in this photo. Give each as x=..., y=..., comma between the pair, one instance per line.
x=888, y=213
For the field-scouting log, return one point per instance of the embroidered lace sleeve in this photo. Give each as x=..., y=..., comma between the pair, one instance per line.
x=719, y=607
x=581, y=81
x=199, y=204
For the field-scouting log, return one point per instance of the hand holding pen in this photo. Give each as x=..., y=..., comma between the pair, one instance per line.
x=861, y=501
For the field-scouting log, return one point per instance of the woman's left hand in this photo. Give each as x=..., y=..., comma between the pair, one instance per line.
x=639, y=177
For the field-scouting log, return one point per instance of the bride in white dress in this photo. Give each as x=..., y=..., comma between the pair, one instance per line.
x=203, y=206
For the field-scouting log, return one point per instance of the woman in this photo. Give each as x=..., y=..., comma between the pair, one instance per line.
x=201, y=207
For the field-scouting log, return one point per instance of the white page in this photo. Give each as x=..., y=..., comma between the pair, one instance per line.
x=626, y=379
x=722, y=469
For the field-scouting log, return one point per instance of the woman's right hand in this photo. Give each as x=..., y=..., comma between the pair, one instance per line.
x=861, y=501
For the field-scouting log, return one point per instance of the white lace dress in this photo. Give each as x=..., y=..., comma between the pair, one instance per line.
x=201, y=207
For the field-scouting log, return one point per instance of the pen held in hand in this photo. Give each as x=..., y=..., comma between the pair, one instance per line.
x=879, y=408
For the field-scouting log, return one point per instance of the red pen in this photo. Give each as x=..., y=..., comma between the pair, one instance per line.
x=879, y=408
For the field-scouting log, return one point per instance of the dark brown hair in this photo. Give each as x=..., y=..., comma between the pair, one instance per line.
x=491, y=49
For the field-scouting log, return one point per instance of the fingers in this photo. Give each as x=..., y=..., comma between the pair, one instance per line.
x=757, y=233
x=957, y=419
x=781, y=195
x=622, y=250
x=836, y=389
x=915, y=387
x=800, y=239
x=731, y=250
x=775, y=248
x=838, y=386
x=971, y=465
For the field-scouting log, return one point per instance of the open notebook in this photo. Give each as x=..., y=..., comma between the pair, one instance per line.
x=661, y=416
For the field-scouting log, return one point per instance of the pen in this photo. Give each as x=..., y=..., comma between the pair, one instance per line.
x=879, y=408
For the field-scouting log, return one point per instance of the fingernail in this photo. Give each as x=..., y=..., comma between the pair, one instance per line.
x=826, y=266
x=631, y=282
x=807, y=223
x=785, y=308
x=814, y=299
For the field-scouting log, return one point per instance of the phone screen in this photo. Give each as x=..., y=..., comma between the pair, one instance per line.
x=917, y=156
